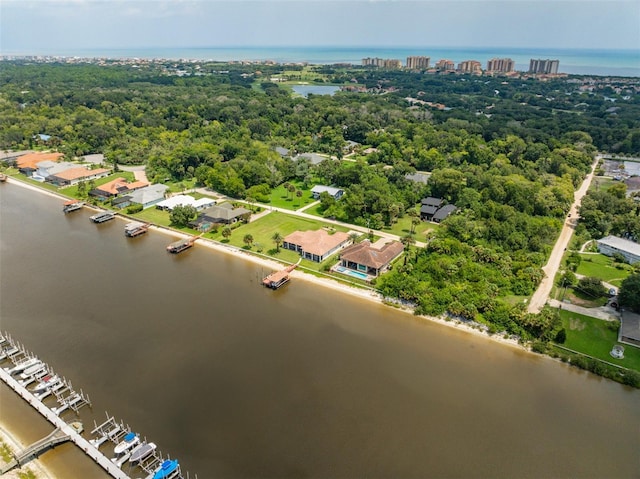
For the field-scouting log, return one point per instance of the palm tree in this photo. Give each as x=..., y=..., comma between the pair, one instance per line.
x=353, y=236
x=277, y=239
x=407, y=241
x=292, y=190
x=298, y=195
x=248, y=240
x=226, y=232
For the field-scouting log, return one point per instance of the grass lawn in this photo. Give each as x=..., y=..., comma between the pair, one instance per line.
x=596, y=337
x=263, y=229
x=604, y=268
x=281, y=198
x=160, y=218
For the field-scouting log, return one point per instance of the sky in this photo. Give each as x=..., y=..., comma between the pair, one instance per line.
x=52, y=26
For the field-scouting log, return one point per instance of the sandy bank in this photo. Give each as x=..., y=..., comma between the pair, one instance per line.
x=36, y=466
x=298, y=274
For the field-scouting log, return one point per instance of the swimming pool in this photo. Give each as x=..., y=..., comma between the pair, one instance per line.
x=350, y=272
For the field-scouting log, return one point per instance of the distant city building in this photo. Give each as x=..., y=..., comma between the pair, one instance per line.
x=418, y=63
x=470, y=66
x=388, y=63
x=445, y=65
x=545, y=67
x=500, y=65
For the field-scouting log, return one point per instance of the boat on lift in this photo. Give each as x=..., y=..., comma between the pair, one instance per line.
x=27, y=363
x=31, y=370
x=166, y=469
x=45, y=383
x=72, y=205
x=142, y=451
x=130, y=440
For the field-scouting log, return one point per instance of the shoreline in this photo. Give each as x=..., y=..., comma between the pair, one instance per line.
x=34, y=465
x=353, y=291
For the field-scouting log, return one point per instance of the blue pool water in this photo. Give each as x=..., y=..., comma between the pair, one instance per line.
x=350, y=272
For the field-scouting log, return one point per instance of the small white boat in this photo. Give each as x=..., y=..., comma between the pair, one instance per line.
x=18, y=368
x=46, y=382
x=130, y=440
x=31, y=370
x=142, y=451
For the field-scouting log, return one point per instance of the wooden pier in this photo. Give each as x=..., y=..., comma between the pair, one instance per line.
x=277, y=279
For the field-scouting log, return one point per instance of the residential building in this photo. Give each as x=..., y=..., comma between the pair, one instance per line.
x=443, y=213
x=313, y=158
x=419, y=177
x=418, y=63
x=185, y=200
x=48, y=167
x=429, y=206
x=388, y=63
x=73, y=176
x=629, y=332
x=611, y=245
x=368, y=258
x=117, y=187
x=315, y=245
x=545, y=67
x=27, y=164
x=149, y=195
x=221, y=214
x=470, y=66
x=500, y=65
x=318, y=189
x=445, y=65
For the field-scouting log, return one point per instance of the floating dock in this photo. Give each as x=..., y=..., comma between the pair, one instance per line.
x=72, y=205
x=181, y=245
x=102, y=217
x=136, y=228
x=278, y=279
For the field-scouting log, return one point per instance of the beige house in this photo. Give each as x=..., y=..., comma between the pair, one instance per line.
x=315, y=245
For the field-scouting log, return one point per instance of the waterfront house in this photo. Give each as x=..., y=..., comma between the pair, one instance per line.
x=185, y=200
x=318, y=189
x=73, y=176
x=27, y=164
x=117, y=187
x=611, y=245
x=371, y=259
x=46, y=168
x=148, y=196
x=315, y=245
x=282, y=151
x=221, y=214
x=429, y=207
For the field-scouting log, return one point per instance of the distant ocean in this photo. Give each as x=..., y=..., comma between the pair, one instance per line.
x=574, y=61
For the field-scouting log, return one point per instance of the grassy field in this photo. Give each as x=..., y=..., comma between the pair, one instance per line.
x=596, y=337
x=604, y=268
x=281, y=198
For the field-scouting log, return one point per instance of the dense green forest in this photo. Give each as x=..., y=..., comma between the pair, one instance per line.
x=507, y=152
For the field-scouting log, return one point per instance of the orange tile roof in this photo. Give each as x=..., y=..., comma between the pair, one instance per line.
x=80, y=172
x=30, y=160
x=317, y=242
x=116, y=186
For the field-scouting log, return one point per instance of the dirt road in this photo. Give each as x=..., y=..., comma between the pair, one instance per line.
x=540, y=297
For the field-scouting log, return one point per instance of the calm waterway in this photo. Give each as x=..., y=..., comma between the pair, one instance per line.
x=237, y=381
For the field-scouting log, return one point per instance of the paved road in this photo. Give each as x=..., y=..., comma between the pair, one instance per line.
x=540, y=297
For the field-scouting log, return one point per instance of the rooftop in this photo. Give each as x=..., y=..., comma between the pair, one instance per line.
x=30, y=160
x=621, y=244
x=317, y=242
x=367, y=254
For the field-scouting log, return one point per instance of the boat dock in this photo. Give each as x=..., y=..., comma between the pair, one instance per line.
x=72, y=205
x=277, y=279
x=67, y=399
x=102, y=217
x=136, y=228
x=181, y=245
